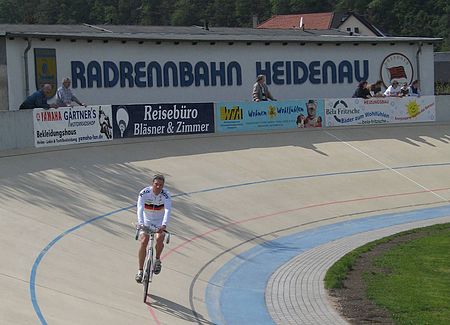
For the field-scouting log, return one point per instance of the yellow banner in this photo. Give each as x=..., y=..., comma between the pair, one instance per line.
x=45, y=64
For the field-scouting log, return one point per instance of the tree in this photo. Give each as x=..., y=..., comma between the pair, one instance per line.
x=311, y=6
x=188, y=13
x=156, y=12
x=281, y=7
x=221, y=13
x=246, y=9
x=10, y=12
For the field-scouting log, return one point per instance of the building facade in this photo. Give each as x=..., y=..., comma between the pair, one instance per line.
x=138, y=64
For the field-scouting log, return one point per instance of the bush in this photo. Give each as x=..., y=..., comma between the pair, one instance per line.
x=441, y=87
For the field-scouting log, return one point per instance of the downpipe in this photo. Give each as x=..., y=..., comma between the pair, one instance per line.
x=25, y=60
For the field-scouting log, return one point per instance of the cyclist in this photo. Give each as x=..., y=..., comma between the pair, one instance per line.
x=153, y=210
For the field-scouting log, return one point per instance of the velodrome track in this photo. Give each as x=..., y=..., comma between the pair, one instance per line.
x=68, y=254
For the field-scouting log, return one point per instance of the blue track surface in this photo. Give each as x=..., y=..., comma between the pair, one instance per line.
x=235, y=294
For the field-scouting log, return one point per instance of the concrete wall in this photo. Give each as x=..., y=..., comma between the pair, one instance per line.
x=443, y=108
x=17, y=131
x=442, y=66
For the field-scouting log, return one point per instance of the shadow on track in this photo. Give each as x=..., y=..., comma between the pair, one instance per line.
x=176, y=310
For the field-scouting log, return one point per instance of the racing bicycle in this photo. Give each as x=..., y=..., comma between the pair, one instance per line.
x=150, y=257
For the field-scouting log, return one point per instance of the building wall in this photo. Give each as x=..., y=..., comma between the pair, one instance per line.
x=442, y=66
x=3, y=76
x=279, y=58
x=352, y=22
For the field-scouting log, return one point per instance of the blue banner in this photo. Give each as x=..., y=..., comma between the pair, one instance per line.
x=162, y=119
x=254, y=116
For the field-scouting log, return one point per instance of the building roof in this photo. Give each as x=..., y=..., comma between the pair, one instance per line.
x=320, y=20
x=191, y=34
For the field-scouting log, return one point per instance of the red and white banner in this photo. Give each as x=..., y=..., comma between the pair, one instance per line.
x=379, y=110
x=72, y=125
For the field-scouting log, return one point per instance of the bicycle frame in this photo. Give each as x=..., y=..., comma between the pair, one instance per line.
x=150, y=257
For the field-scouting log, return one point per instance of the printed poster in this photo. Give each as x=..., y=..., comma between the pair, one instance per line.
x=72, y=125
x=269, y=115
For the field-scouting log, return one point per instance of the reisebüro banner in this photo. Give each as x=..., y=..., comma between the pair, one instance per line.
x=72, y=125
x=143, y=120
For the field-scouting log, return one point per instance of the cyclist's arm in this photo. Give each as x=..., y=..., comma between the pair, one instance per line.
x=167, y=210
x=140, y=209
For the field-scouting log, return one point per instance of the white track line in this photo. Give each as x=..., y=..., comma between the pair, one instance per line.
x=388, y=167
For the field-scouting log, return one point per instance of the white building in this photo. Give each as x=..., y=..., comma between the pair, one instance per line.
x=149, y=64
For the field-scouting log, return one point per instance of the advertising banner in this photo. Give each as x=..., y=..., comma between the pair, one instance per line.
x=45, y=68
x=379, y=110
x=258, y=116
x=72, y=125
x=143, y=120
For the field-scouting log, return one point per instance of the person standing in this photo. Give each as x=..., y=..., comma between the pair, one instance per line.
x=404, y=90
x=362, y=91
x=260, y=90
x=414, y=89
x=393, y=90
x=65, y=96
x=153, y=210
x=39, y=98
x=375, y=89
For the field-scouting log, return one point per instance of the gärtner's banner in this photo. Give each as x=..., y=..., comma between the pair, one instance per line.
x=162, y=119
x=72, y=125
x=379, y=110
x=258, y=116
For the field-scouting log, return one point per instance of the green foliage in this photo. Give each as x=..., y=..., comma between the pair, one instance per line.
x=416, y=288
x=441, y=88
x=427, y=18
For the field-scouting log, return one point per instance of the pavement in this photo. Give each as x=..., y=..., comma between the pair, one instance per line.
x=257, y=219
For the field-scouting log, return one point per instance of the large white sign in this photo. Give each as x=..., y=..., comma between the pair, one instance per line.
x=379, y=110
x=72, y=125
x=133, y=73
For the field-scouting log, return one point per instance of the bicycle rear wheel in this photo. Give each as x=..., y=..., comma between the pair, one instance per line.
x=147, y=275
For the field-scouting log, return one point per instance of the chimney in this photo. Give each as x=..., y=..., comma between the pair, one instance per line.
x=255, y=21
x=301, y=23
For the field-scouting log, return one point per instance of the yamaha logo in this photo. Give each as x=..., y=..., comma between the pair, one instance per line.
x=396, y=67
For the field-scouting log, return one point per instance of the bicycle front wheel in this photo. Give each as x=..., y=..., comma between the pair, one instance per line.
x=147, y=275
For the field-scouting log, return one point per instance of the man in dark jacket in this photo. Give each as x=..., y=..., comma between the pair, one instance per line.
x=38, y=99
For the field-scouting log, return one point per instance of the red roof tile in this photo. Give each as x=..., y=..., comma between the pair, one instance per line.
x=310, y=21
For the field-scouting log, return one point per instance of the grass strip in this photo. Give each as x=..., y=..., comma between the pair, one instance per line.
x=415, y=284
x=414, y=278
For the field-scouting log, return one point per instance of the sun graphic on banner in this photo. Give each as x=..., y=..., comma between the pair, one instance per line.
x=413, y=109
x=272, y=111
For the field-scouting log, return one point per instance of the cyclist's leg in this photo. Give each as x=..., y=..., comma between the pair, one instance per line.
x=158, y=250
x=159, y=244
x=142, y=249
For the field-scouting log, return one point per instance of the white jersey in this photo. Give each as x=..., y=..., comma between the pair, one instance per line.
x=153, y=209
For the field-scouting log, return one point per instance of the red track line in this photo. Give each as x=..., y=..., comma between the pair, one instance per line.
x=152, y=311
x=188, y=241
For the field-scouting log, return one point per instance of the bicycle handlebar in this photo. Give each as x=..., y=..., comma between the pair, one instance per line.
x=150, y=230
